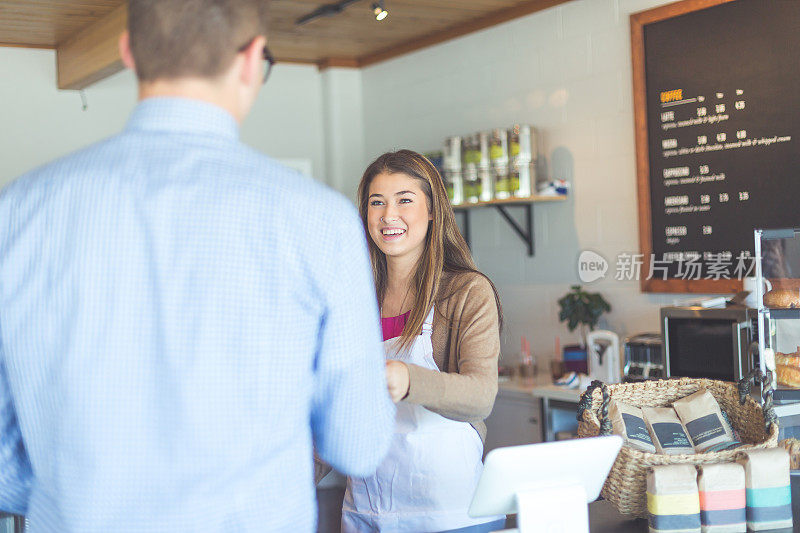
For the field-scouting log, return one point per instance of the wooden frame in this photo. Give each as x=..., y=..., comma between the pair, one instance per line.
x=638, y=22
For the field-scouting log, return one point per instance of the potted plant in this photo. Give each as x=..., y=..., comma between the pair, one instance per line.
x=582, y=309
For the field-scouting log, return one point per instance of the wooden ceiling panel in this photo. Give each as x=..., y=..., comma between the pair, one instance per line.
x=49, y=22
x=355, y=34
x=352, y=37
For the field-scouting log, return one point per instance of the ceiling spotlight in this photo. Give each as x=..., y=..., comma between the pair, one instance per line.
x=379, y=10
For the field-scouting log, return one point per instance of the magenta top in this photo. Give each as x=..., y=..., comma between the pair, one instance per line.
x=392, y=326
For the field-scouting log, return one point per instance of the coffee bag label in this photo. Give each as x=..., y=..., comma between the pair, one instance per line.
x=705, y=428
x=671, y=435
x=636, y=428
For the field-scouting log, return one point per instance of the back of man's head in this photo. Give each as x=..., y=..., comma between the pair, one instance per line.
x=173, y=39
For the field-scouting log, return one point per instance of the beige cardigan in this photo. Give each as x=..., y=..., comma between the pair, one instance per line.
x=466, y=348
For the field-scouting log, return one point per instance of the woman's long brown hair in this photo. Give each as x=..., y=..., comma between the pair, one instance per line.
x=445, y=249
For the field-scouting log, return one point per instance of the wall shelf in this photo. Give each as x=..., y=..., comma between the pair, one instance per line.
x=524, y=232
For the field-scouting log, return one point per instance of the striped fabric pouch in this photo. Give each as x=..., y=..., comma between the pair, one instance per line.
x=673, y=502
x=722, y=498
x=768, y=491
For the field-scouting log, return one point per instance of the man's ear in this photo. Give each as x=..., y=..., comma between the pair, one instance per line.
x=253, y=67
x=125, y=51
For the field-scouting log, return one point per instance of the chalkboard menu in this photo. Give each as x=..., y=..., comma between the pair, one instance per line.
x=717, y=96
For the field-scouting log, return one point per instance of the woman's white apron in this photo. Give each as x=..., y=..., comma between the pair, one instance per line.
x=426, y=481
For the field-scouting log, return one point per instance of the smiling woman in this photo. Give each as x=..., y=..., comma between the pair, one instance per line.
x=398, y=216
x=403, y=192
x=441, y=323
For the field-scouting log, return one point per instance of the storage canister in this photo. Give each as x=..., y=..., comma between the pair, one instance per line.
x=472, y=185
x=454, y=184
x=498, y=148
x=452, y=153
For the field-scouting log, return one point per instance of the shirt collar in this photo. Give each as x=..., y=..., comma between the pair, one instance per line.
x=182, y=115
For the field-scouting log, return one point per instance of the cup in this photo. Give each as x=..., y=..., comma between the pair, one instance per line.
x=556, y=369
x=750, y=284
x=527, y=370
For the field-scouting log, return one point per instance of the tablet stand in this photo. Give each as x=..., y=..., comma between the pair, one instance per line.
x=556, y=509
x=548, y=492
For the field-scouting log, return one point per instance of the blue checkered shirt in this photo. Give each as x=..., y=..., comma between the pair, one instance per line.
x=180, y=317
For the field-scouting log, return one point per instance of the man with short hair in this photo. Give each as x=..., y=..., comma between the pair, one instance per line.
x=180, y=316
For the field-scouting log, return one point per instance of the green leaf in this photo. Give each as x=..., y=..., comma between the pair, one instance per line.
x=579, y=307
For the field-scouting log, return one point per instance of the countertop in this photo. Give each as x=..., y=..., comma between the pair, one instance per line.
x=604, y=518
x=539, y=387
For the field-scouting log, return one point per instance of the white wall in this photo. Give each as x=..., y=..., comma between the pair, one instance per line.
x=567, y=71
x=286, y=120
x=343, y=119
x=39, y=123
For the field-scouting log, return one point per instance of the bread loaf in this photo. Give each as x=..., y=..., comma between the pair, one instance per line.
x=788, y=376
x=793, y=447
x=788, y=359
x=782, y=298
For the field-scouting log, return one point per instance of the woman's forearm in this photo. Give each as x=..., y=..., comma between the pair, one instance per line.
x=466, y=396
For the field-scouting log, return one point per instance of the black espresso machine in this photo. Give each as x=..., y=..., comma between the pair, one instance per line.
x=642, y=357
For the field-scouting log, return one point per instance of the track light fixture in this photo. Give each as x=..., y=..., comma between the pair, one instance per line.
x=379, y=10
x=329, y=10
x=326, y=10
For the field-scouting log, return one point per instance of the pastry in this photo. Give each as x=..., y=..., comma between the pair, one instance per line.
x=782, y=298
x=793, y=447
x=788, y=376
x=788, y=359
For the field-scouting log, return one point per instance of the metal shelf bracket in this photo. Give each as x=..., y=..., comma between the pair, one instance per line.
x=524, y=232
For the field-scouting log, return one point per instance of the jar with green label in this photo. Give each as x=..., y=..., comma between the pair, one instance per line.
x=476, y=150
x=472, y=151
x=502, y=182
x=452, y=153
x=487, y=184
x=454, y=185
x=498, y=148
x=522, y=145
x=521, y=180
x=472, y=185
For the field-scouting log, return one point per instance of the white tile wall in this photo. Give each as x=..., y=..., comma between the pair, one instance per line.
x=582, y=17
x=566, y=70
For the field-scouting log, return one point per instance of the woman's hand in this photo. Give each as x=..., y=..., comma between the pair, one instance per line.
x=397, y=379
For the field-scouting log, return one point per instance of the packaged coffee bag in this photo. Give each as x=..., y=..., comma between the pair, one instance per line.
x=768, y=490
x=722, y=498
x=667, y=431
x=627, y=421
x=673, y=502
x=703, y=420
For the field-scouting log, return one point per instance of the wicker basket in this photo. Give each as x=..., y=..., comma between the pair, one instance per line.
x=627, y=482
